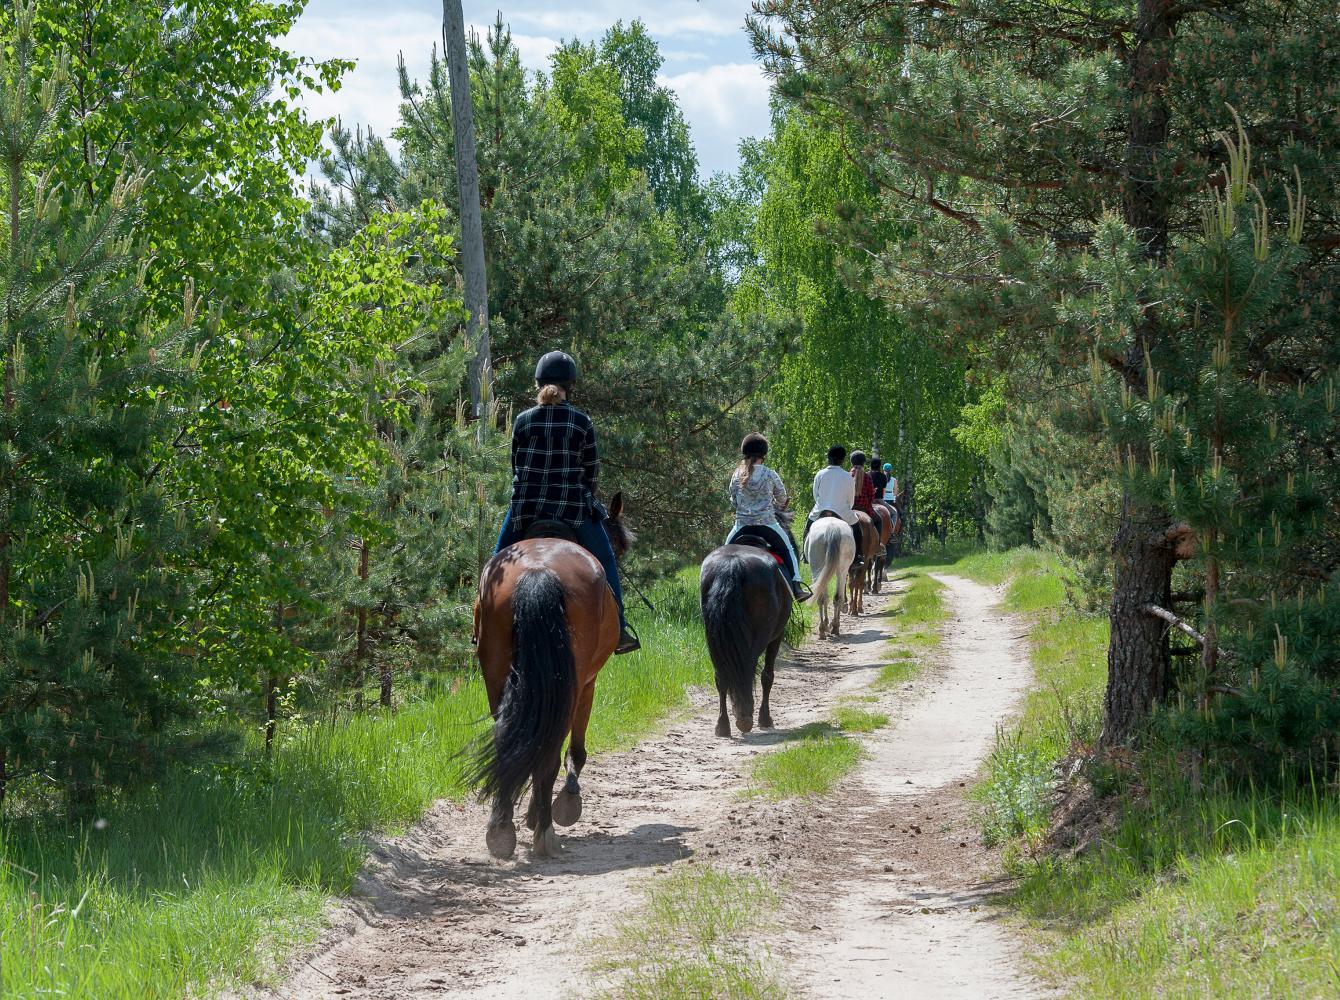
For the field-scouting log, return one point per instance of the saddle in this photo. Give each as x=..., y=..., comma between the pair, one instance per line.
x=747, y=537
x=546, y=528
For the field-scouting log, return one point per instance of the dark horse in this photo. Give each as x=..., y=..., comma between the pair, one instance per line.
x=545, y=623
x=746, y=603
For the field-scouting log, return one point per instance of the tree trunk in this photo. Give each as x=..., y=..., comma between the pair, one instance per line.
x=1138, y=662
x=272, y=689
x=386, y=685
x=271, y=710
x=1143, y=558
x=361, y=640
x=467, y=186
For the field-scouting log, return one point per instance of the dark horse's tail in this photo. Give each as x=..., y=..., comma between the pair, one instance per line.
x=536, y=707
x=730, y=632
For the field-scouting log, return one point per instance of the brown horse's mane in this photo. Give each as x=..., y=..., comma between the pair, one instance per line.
x=622, y=537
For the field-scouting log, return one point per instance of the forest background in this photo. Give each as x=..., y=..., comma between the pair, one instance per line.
x=1071, y=270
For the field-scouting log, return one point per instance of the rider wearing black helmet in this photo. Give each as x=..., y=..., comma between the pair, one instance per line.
x=554, y=469
x=759, y=498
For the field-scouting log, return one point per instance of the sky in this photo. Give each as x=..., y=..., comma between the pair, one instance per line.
x=708, y=61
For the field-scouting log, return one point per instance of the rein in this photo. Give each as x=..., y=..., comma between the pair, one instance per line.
x=628, y=578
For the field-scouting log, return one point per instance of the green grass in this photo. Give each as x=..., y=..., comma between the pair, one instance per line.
x=689, y=939
x=851, y=719
x=1196, y=890
x=812, y=765
x=215, y=875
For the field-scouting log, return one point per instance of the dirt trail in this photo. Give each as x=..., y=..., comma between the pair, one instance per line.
x=432, y=915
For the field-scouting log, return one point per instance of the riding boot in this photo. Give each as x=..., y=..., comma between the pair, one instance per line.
x=856, y=531
x=799, y=592
x=628, y=642
x=802, y=553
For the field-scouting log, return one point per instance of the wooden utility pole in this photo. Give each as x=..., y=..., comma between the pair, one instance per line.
x=467, y=187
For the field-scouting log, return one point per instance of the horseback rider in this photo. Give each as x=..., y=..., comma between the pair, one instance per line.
x=890, y=485
x=554, y=469
x=835, y=492
x=757, y=493
x=864, y=489
x=864, y=485
x=880, y=477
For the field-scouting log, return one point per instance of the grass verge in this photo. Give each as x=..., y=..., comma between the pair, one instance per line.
x=214, y=876
x=689, y=939
x=1196, y=889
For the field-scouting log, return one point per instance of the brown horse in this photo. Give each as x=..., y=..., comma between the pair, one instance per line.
x=857, y=574
x=545, y=623
x=875, y=575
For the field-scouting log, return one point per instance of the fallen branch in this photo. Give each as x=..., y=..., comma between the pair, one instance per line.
x=1182, y=626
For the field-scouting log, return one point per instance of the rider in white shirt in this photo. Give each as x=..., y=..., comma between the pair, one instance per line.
x=834, y=489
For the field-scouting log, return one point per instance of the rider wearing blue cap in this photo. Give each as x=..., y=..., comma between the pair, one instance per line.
x=554, y=469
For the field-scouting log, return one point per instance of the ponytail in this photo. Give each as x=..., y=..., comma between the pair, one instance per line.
x=745, y=469
x=551, y=395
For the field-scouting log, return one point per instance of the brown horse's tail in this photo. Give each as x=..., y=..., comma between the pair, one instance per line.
x=536, y=708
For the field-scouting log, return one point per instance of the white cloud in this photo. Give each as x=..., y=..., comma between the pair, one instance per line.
x=369, y=93
x=723, y=96
x=723, y=104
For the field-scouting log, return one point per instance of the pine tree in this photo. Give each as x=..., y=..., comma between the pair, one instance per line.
x=1051, y=167
x=90, y=608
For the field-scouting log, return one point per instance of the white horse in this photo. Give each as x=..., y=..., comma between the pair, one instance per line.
x=830, y=550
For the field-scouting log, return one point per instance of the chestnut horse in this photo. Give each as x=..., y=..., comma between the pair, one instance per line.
x=875, y=574
x=545, y=623
x=856, y=577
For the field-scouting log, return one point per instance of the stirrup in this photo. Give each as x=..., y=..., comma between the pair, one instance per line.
x=628, y=641
x=800, y=592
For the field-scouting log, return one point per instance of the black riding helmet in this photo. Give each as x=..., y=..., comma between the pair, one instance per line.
x=556, y=368
x=754, y=445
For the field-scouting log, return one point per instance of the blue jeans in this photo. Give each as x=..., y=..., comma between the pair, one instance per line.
x=592, y=537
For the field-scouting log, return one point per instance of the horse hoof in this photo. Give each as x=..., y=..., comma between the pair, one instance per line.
x=723, y=728
x=567, y=808
x=745, y=724
x=501, y=841
x=546, y=843
x=764, y=720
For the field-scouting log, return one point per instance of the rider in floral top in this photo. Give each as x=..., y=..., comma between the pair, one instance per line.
x=758, y=493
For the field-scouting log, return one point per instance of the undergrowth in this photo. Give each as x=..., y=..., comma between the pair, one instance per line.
x=1195, y=885
x=213, y=876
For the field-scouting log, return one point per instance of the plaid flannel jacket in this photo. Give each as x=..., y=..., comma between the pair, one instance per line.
x=554, y=466
x=865, y=494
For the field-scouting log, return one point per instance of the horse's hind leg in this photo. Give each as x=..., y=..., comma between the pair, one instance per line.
x=567, y=807
x=723, y=720
x=769, y=662
x=545, y=843
x=501, y=833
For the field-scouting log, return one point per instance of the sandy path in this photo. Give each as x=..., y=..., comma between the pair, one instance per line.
x=432, y=915
x=905, y=860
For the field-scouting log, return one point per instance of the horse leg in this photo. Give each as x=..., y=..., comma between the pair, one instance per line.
x=723, y=720
x=568, y=803
x=545, y=844
x=501, y=833
x=769, y=660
